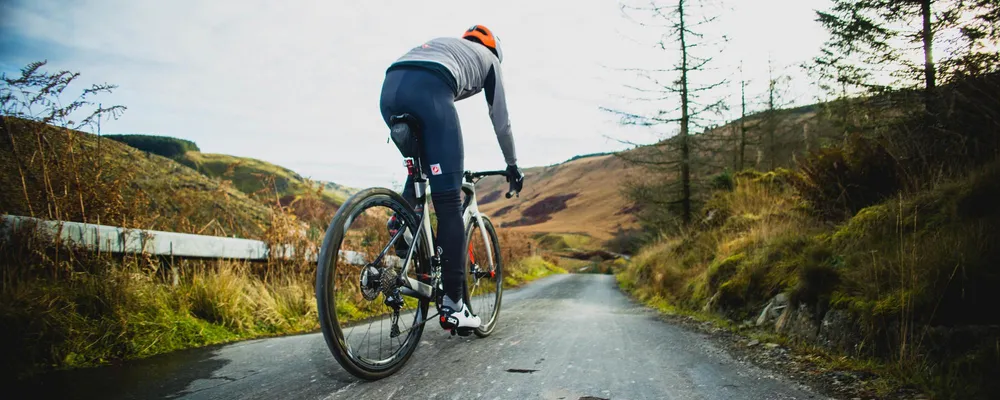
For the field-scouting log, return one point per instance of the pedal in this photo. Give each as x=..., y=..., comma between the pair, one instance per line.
x=463, y=331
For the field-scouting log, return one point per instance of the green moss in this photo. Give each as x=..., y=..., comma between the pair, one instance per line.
x=775, y=179
x=722, y=271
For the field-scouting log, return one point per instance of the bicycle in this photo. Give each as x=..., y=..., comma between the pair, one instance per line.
x=407, y=281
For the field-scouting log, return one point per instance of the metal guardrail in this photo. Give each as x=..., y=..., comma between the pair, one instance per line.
x=112, y=239
x=139, y=241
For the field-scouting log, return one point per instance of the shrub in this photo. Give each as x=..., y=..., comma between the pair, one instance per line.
x=161, y=145
x=627, y=241
x=723, y=181
x=839, y=181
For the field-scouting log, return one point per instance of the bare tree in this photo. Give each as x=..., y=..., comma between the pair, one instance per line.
x=743, y=121
x=681, y=36
x=771, y=119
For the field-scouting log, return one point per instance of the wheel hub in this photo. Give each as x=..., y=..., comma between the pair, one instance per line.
x=370, y=282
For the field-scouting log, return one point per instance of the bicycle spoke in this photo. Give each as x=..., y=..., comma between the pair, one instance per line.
x=364, y=275
x=482, y=282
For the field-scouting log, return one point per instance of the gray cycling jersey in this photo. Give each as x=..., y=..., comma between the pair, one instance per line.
x=471, y=68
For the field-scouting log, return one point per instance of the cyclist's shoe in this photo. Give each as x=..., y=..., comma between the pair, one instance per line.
x=462, y=320
x=402, y=247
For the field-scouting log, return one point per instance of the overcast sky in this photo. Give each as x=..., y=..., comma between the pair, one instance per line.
x=297, y=83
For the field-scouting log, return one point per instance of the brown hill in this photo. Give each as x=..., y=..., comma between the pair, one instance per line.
x=579, y=196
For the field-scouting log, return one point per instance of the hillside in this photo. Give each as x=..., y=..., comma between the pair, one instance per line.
x=578, y=196
x=249, y=175
x=62, y=174
x=337, y=190
x=584, y=194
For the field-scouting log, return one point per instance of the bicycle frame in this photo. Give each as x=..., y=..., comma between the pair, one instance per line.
x=412, y=287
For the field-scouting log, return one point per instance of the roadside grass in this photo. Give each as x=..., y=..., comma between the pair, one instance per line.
x=66, y=308
x=529, y=269
x=64, y=316
x=915, y=273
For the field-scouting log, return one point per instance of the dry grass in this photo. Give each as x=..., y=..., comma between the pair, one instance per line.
x=68, y=175
x=61, y=307
x=745, y=225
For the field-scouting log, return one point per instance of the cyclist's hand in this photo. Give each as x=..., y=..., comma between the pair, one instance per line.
x=516, y=179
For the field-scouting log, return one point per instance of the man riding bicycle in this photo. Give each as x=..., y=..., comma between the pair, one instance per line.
x=426, y=82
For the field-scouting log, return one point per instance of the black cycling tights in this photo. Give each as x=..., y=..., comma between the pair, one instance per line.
x=450, y=232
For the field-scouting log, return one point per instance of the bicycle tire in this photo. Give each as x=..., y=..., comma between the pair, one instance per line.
x=487, y=326
x=326, y=289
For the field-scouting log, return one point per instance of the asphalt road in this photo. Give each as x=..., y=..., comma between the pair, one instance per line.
x=580, y=335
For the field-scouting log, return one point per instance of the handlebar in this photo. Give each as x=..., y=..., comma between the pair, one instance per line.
x=475, y=175
x=469, y=176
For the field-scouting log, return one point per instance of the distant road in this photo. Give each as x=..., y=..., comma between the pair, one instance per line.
x=562, y=337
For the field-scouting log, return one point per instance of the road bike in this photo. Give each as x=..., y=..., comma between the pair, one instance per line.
x=372, y=277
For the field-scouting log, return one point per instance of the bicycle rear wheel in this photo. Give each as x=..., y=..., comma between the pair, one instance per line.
x=356, y=297
x=483, y=275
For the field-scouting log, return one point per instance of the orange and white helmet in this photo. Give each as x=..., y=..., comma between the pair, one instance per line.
x=484, y=36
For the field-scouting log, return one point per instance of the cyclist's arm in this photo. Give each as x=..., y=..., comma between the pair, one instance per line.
x=497, y=101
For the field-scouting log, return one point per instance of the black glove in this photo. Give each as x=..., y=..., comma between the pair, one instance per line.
x=516, y=178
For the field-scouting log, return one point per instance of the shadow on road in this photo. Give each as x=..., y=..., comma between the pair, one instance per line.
x=164, y=376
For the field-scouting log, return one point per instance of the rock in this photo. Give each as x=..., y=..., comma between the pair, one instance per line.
x=839, y=331
x=710, y=304
x=771, y=345
x=773, y=309
x=797, y=322
x=753, y=343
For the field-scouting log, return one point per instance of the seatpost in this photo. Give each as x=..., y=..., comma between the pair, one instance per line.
x=415, y=170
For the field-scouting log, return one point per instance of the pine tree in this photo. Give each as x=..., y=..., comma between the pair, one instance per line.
x=868, y=36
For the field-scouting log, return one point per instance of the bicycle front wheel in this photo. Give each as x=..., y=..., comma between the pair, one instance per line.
x=483, y=274
x=370, y=329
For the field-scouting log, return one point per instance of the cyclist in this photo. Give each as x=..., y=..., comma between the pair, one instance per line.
x=426, y=82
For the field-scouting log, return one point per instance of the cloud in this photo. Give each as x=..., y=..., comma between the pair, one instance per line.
x=297, y=82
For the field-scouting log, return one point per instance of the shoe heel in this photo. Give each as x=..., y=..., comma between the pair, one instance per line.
x=464, y=331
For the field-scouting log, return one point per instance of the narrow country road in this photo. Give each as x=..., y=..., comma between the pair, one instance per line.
x=579, y=334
